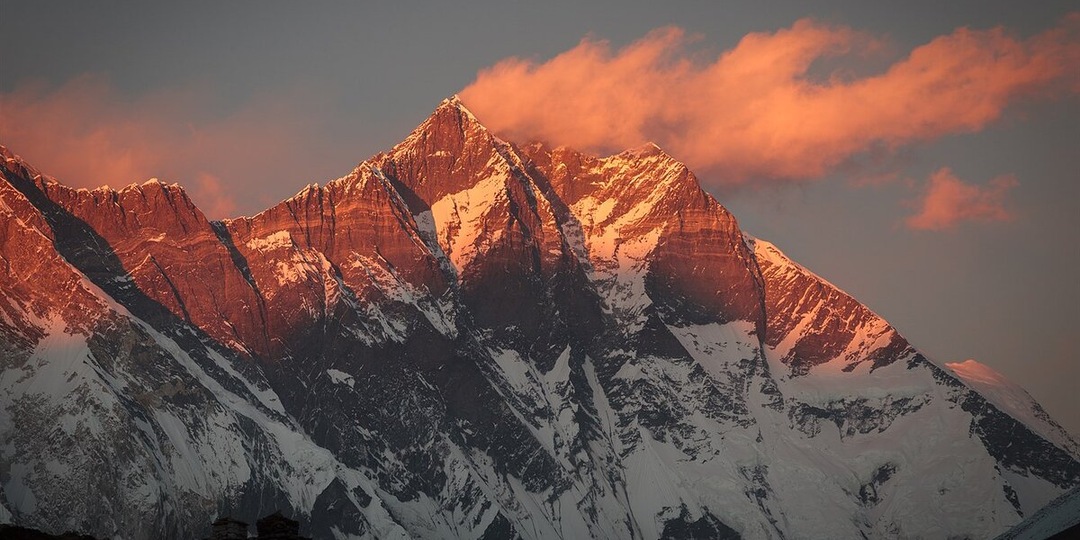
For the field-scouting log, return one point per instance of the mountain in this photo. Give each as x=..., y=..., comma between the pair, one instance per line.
x=1058, y=520
x=465, y=338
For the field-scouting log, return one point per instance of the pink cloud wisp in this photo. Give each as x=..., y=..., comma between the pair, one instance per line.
x=757, y=111
x=948, y=201
x=86, y=134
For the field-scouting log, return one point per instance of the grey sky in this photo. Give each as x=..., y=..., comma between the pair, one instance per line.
x=342, y=81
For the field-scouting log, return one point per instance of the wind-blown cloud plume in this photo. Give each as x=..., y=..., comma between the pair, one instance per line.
x=948, y=201
x=86, y=134
x=758, y=111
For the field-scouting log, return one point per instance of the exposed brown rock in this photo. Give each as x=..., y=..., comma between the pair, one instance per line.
x=160, y=242
x=830, y=323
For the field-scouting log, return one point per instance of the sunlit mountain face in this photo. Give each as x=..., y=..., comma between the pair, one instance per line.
x=467, y=338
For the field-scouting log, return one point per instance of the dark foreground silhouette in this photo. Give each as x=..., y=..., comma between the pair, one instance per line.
x=272, y=527
x=12, y=532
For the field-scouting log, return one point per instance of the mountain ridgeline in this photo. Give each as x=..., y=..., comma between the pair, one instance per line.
x=465, y=338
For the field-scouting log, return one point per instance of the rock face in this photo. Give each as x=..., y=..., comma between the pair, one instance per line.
x=467, y=338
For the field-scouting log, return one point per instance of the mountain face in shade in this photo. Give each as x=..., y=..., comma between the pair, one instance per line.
x=464, y=338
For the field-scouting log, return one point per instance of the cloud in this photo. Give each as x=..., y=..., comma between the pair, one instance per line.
x=86, y=134
x=216, y=201
x=948, y=201
x=760, y=111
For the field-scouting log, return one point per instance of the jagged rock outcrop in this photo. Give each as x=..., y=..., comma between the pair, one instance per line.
x=467, y=338
x=146, y=240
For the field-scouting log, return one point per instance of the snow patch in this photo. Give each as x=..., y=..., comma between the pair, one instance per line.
x=340, y=377
x=459, y=219
x=277, y=240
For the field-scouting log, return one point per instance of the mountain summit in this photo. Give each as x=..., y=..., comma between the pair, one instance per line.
x=467, y=338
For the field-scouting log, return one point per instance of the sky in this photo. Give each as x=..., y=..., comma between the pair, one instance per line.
x=922, y=156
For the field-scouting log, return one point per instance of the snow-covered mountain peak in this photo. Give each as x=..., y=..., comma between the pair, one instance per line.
x=450, y=120
x=454, y=102
x=648, y=149
x=973, y=372
x=1013, y=400
x=462, y=338
x=449, y=152
x=150, y=186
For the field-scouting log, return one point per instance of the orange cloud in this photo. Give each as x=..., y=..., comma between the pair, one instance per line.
x=948, y=201
x=86, y=134
x=108, y=149
x=214, y=197
x=757, y=111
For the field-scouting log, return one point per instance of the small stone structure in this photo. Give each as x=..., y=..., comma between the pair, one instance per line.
x=226, y=528
x=272, y=527
x=277, y=527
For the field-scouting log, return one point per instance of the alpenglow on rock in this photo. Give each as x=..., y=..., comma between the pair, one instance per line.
x=464, y=338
